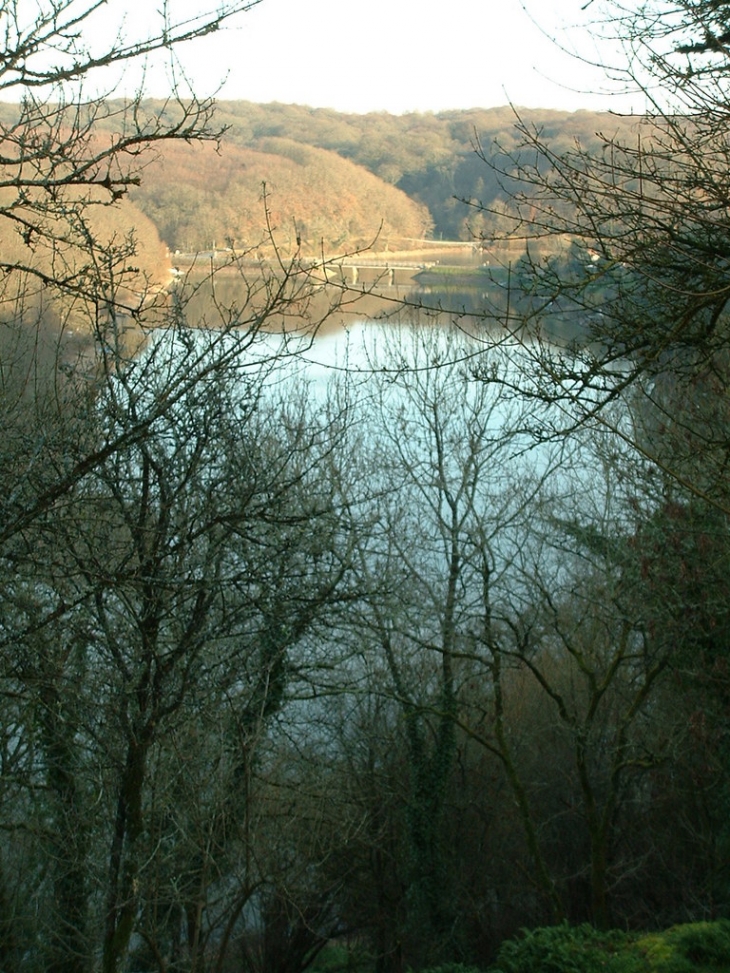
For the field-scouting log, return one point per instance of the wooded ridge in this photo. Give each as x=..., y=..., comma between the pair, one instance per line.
x=344, y=179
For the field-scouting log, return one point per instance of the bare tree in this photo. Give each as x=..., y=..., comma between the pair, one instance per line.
x=626, y=248
x=151, y=632
x=436, y=544
x=168, y=534
x=68, y=157
x=619, y=308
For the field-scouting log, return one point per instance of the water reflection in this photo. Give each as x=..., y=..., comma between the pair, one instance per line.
x=495, y=306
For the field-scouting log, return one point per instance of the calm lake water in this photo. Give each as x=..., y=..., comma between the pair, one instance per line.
x=488, y=306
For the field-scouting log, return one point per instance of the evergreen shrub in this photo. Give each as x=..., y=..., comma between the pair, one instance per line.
x=699, y=947
x=692, y=948
x=568, y=949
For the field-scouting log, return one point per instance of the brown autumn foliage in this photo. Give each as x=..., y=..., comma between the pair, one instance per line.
x=430, y=156
x=199, y=198
x=70, y=265
x=332, y=178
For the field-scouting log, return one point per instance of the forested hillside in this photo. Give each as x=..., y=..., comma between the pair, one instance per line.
x=343, y=180
x=389, y=175
x=206, y=197
x=432, y=157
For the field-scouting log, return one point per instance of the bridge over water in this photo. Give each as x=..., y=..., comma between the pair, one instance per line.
x=380, y=271
x=368, y=269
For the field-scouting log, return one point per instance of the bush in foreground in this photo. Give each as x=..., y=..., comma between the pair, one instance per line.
x=701, y=947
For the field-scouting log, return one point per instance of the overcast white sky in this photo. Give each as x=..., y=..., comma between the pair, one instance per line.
x=402, y=55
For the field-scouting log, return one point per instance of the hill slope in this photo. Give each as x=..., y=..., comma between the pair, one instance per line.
x=199, y=198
